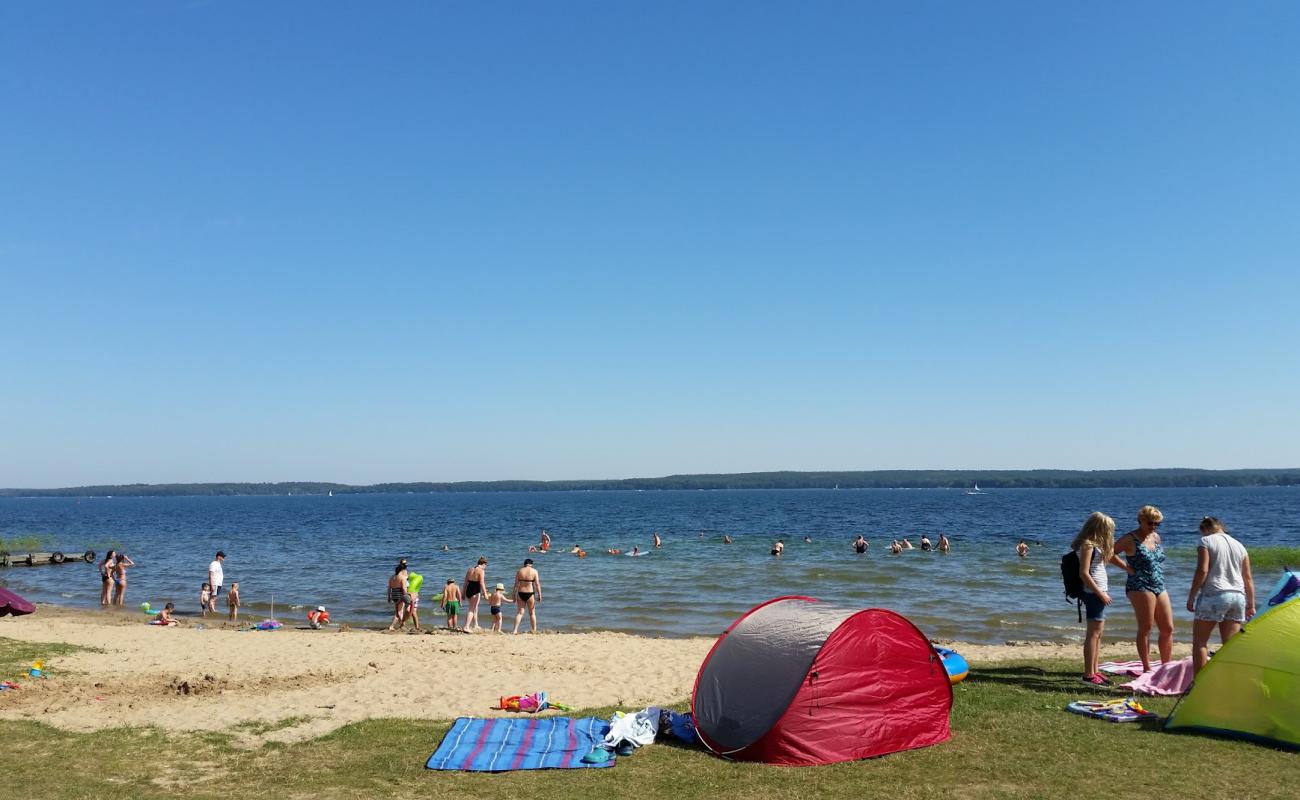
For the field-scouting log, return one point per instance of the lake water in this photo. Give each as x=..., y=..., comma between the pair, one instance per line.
x=339, y=551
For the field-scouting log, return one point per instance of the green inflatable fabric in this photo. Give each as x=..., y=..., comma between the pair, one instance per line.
x=1251, y=687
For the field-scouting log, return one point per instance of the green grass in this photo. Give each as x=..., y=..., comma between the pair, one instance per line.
x=1265, y=562
x=1011, y=739
x=23, y=544
x=17, y=657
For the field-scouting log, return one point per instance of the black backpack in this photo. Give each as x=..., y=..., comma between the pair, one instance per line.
x=1073, y=583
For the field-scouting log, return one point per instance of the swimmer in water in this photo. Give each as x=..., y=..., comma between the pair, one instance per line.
x=778, y=547
x=925, y=543
x=1022, y=549
x=658, y=542
x=726, y=539
x=636, y=551
x=907, y=544
x=860, y=544
x=945, y=546
x=545, y=544
x=895, y=548
x=614, y=552
x=807, y=540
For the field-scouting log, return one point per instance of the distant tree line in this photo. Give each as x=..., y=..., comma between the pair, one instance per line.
x=874, y=479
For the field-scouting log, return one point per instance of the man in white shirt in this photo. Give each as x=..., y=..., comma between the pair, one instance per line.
x=215, y=577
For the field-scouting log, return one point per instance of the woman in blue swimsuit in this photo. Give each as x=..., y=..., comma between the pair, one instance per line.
x=1144, y=560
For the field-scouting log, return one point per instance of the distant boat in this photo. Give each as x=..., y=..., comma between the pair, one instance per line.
x=976, y=490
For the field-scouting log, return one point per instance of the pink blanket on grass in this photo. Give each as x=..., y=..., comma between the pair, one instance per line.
x=1167, y=679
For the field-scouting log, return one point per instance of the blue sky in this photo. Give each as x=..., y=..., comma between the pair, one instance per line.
x=442, y=241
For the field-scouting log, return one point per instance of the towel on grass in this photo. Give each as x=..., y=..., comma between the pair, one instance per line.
x=1172, y=678
x=503, y=745
x=1133, y=668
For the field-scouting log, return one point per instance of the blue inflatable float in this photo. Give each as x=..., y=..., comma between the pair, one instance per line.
x=953, y=662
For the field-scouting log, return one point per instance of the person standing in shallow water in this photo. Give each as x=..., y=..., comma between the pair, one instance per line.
x=528, y=593
x=106, y=578
x=119, y=578
x=1144, y=559
x=397, y=594
x=778, y=547
x=474, y=580
x=860, y=544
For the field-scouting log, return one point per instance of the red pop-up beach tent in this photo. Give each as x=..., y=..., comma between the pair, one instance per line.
x=11, y=603
x=799, y=682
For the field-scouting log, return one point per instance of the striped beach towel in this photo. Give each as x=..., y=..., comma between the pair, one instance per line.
x=503, y=745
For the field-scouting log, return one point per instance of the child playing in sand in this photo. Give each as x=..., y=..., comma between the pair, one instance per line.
x=232, y=601
x=205, y=596
x=495, y=601
x=165, y=616
x=317, y=617
x=451, y=603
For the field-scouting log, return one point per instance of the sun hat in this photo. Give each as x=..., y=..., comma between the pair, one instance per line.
x=320, y=608
x=501, y=586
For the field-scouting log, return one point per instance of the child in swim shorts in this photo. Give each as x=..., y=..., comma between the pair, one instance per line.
x=205, y=595
x=495, y=601
x=451, y=604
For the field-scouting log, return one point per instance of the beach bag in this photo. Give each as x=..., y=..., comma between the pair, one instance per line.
x=1073, y=583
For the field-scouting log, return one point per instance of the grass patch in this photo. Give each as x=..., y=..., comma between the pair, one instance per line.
x=16, y=657
x=24, y=544
x=259, y=727
x=1265, y=561
x=1011, y=739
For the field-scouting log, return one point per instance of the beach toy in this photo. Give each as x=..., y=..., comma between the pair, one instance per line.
x=37, y=670
x=954, y=664
x=414, y=582
x=1127, y=710
x=269, y=625
x=144, y=606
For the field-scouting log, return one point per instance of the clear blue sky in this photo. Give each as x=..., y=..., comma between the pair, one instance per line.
x=441, y=241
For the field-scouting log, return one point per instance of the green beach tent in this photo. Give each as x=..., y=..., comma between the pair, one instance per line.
x=1251, y=687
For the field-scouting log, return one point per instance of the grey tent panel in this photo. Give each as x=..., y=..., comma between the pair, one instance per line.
x=754, y=673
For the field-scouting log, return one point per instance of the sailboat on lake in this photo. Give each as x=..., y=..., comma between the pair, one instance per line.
x=976, y=490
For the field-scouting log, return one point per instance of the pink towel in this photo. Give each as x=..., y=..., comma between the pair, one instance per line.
x=1133, y=668
x=1167, y=679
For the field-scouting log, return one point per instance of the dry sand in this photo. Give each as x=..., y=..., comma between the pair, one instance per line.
x=186, y=679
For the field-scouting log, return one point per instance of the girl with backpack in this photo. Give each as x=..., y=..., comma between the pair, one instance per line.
x=1095, y=545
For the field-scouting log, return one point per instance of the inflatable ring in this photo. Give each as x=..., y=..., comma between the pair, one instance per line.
x=88, y=556
x=56, y=557
x=413, y=582
x=955, y=665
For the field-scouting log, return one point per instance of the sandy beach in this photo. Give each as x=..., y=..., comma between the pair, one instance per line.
x=307, y=683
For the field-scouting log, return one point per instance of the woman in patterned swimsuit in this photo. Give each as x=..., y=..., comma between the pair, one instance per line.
x=1144, y=560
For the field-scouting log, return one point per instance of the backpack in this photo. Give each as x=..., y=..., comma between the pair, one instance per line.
x=1073, y=583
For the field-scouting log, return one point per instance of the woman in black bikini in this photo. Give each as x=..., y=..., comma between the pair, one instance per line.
x=528, y=593
x=106, y=578
x=474, y=592
x=397, y=595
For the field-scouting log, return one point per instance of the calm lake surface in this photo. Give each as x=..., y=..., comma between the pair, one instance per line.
x=339, y=551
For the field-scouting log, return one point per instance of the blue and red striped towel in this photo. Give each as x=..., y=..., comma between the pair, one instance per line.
x=504, y=745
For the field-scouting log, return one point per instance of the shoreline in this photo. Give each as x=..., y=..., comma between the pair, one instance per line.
x=305, y=683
